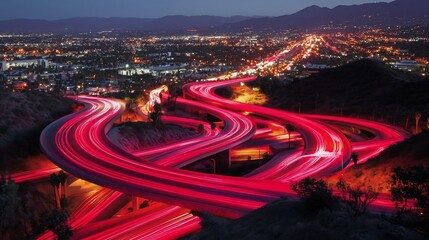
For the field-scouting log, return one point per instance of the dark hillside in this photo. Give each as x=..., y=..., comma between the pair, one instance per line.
x=365, y=88
x=380, y=14
x=290, y=220
x=23, y=117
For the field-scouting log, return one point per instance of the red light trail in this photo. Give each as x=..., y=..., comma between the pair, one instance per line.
x=78, y=144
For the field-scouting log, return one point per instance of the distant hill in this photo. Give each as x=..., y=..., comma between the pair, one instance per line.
x=169, y=23
x=396, y=13
x=399, y=12
x=365, y=88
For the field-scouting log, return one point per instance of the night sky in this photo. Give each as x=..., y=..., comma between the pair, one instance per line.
x=58, y=9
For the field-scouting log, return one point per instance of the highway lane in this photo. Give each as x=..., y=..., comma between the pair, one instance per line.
x=84, y=126
x=156, y=221
x=325, y=150
x=104, y=112
x=82, y=138
x=236, y=130
x=79, y=145
x=356, y=125
x=94, y=208
x=385, y=135
x=317, y=146
x=34, y=175
x=100, y=202
x=104, y=204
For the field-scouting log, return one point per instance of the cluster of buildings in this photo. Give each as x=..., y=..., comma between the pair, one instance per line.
x=157, y=71
x=107, y=62
x=25, y=63
x=407, y=65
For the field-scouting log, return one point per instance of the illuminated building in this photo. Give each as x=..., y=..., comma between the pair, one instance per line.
x=5, y=65
x=406, y=65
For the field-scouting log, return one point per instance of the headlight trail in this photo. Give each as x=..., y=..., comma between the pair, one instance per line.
x=78, y=144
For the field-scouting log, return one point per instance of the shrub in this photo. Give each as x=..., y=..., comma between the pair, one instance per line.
x=315, y=194
x=356, y=199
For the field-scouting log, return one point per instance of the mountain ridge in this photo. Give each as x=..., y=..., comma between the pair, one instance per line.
x=88, y=24
x=381, y=14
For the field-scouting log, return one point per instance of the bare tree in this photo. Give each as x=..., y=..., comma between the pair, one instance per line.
x=410, y=190
x=356, y=199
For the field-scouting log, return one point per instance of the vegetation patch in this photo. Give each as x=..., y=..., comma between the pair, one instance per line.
x=364, y=88
x=376, y=172
x=23, y=117
x=133, y=136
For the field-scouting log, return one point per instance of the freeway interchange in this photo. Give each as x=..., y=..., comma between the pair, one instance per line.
x=78, y=143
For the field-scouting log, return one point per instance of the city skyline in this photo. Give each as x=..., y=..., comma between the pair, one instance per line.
x=51, y=10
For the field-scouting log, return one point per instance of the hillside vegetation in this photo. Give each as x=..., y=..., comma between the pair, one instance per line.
x=291, y=220
x=133, y=136
x=365, y=88
x=369, y=89
x=23, y=117
x=377, y=171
